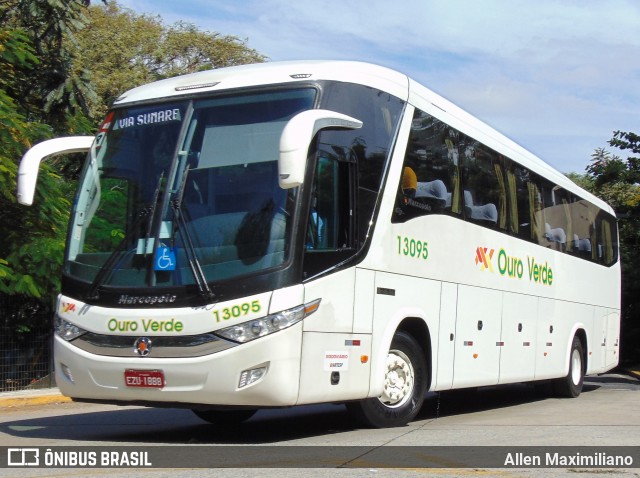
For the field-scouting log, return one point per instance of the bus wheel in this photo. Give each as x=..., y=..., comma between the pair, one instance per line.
x=225, y=417
x=405, y=383
x=571, y=385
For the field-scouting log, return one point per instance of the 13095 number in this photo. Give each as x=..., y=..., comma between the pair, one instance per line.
x=238, y=310
x=410, y=247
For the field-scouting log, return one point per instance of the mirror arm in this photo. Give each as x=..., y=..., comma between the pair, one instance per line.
x=30, y=163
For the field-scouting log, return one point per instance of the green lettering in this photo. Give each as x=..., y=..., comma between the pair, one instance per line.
x=502, y=261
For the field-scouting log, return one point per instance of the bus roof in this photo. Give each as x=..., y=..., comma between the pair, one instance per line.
x=367, y=74
x=271, y=73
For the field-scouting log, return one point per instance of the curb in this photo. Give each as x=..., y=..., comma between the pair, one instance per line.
x=634, y=373
x=32, y=398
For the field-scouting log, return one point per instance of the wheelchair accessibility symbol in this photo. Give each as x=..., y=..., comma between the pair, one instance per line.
x=165, y=259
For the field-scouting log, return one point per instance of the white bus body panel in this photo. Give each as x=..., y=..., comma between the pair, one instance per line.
x=330, y=345
x=398, y=297
x=443, y=369
x=518, y=337
x=212, y=379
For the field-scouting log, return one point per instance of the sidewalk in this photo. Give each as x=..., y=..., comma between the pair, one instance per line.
x=42, y=396
x=634, y=371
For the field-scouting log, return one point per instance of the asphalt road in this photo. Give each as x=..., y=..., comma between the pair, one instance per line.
x=607, y=414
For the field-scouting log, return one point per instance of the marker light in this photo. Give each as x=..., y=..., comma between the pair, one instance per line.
x=247, y=377
x=247, y=331
x=66, y=371
x=67, y=330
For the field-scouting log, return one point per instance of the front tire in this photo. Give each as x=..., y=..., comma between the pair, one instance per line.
x=571, y=385
x=404, y=389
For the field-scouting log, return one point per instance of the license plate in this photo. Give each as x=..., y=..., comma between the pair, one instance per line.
x=144, y=378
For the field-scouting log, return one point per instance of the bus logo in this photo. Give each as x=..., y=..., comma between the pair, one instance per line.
x=483, y=258
x=68, y=307
x=23, y=457
x=142, y=346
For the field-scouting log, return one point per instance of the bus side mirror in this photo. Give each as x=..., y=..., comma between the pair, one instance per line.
x=296, y=137
x=28, y=170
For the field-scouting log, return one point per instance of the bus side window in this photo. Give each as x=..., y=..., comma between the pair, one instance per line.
x=329, y=215
x=484, y=194
x=429, y=170
x=606, y=240
x=330, y=233
x=581, y=229
x=555, y=223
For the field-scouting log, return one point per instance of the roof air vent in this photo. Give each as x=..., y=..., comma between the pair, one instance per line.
x=196, y=87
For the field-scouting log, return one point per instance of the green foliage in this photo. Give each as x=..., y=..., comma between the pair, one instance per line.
x=605, y=168
x=109, y=221
x=62, y=63
x=122, y=49
x=55, y=90
x=25, y=232
x=582, y=180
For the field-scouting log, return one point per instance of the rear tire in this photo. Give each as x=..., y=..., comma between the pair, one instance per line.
x=404, y=389
x=571, y=385
x=225, y=417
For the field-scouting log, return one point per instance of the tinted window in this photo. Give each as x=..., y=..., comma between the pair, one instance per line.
x=369, y=146
x=447, y=172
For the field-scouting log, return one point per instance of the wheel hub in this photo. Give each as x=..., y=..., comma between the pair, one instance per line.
x=398, y=380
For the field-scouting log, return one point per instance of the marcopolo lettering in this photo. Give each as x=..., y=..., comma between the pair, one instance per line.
x=146, y=299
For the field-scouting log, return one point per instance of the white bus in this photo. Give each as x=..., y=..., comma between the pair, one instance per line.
x=307, y=232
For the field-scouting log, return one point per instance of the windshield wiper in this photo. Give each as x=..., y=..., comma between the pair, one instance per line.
x=190, y=251
x=107, y=267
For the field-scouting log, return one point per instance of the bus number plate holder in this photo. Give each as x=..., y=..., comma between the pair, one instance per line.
x=144, y=378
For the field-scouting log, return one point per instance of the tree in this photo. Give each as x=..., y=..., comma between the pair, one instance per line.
x=32, y=242
x=56, y=92
x=41, y=225
x=122, y=50
x=54, y=56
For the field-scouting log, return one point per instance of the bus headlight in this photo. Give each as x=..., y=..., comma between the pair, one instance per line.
x=67, y=330
x=253, y=329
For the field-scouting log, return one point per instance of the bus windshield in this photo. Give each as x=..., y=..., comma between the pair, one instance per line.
x=185, y=192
